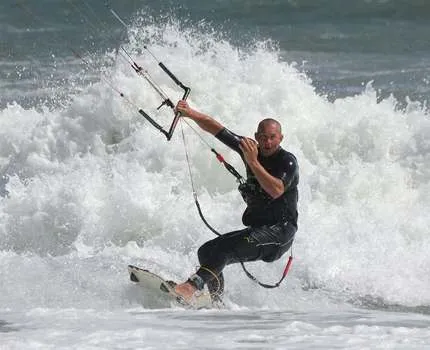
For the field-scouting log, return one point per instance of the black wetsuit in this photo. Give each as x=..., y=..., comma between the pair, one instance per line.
x=271, y=223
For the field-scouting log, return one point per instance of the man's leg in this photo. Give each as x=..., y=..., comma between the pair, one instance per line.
x=214, y=255
x=216, y=288
x=266, y=243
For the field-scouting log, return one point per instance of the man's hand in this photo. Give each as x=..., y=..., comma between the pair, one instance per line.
x=183, y=108
x=249, y=149
x=272, y=185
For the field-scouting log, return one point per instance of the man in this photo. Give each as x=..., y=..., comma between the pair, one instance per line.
x=270, y=193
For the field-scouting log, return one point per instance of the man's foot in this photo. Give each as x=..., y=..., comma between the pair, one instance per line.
x=186, y=290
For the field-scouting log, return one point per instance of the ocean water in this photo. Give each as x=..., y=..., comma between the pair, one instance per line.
x=87, y=186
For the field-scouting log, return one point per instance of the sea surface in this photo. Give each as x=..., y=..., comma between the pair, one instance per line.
x=87, y=186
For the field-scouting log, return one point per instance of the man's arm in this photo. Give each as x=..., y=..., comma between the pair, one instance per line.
x=204, y=121
x=271, y=184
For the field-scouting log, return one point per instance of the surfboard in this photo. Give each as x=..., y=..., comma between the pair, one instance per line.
x=165, y=288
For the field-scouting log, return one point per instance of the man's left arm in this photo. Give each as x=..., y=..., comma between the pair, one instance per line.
x=272, y=185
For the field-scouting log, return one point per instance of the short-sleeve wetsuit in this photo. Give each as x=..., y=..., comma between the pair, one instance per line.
x=271, y=223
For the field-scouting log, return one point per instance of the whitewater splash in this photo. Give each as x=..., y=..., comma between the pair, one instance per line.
x=90, y=187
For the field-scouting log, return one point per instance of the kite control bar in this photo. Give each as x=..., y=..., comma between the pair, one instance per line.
x=166, y=100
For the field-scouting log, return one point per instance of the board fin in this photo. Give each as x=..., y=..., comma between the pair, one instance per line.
x=133, y=277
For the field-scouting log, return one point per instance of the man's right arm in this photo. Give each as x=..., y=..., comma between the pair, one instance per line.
x=210, y=125
x=204, y=121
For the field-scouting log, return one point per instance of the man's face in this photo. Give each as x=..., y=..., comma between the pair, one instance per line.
x=268, y=137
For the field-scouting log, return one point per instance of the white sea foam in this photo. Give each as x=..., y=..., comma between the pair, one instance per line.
x=93, y=187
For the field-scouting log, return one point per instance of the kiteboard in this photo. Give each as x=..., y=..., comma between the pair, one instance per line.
x=157, y=284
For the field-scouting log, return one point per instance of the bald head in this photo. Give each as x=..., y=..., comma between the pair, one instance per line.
x=267, y=123
x=269, y=136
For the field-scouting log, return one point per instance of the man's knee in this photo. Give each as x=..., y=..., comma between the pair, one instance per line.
x=206, y=250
